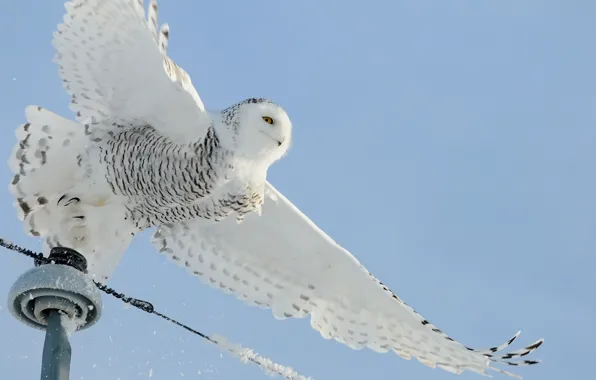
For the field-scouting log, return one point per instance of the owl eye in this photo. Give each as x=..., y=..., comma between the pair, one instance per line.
x=268, y=120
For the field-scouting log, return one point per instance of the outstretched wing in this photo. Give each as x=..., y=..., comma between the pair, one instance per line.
x=112, y=66
x=162, y=37
x=283, y=261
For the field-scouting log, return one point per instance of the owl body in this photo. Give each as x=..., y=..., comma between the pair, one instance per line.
x=163, y=181
x=119, y=179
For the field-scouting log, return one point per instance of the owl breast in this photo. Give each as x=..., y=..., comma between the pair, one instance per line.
x=165, y=182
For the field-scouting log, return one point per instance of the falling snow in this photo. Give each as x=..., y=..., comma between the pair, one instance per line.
x=247, y=355
x=70, y=324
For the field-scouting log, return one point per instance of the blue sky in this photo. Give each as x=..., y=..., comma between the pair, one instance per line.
x=450, y=145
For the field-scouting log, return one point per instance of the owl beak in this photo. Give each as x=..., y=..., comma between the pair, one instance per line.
x=279, y=142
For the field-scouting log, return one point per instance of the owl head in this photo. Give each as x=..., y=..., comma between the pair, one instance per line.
x=256, y=128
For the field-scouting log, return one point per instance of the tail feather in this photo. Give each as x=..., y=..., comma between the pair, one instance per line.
x=46, y=163
x=50, y=142
x=52, y=198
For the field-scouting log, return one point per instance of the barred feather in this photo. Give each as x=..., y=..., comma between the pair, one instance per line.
x=282, y=261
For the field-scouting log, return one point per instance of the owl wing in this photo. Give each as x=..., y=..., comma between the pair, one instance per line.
x=113, y=68
x=162, y=37
x=283, y=261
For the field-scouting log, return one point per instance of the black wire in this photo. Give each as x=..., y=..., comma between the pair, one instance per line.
x=137, y=303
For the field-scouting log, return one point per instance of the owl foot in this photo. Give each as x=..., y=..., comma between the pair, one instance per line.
x=66, y=201
x=74, y=219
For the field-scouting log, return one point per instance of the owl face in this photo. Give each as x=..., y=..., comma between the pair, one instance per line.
x=262, y=129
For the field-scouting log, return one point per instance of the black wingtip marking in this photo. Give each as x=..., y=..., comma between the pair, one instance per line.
x=535, y=345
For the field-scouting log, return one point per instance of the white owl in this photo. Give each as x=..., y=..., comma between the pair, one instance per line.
x=145, y=152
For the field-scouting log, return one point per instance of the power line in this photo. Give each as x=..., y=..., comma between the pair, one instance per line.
x=245, y=354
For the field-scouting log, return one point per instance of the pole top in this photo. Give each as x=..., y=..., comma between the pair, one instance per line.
x=62, y=285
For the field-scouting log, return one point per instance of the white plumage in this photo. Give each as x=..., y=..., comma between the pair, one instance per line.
x=145, y=152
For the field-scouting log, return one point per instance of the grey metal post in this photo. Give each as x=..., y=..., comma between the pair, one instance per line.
x=55, y=363
x=44, y=294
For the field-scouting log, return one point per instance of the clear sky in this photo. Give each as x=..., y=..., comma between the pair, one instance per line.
x=450, y=145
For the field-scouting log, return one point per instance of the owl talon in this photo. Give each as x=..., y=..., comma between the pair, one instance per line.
x=73, y=200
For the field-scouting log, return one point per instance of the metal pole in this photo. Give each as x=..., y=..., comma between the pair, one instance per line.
x=55, y=363
x=42, y=295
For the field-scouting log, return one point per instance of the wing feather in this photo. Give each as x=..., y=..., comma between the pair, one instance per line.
x=113, y=68
x=283, y=261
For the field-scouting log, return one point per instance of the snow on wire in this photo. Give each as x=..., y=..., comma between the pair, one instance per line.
x=246, y=355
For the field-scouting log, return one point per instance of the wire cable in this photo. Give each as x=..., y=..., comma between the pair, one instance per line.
x=245, y=354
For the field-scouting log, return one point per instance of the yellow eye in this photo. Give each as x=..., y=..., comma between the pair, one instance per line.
x=268, y=120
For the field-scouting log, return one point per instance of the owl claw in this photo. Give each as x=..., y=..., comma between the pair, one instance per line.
x=63, y=202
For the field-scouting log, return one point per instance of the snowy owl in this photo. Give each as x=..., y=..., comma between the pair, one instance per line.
x=144, y=152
